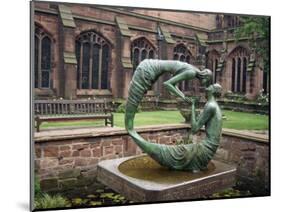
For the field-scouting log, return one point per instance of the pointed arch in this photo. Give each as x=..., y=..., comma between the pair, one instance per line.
x=182, y=53
x=93, y=53
x=213, y=57
x=141, y=48
x=43, y=46
x=239, y=57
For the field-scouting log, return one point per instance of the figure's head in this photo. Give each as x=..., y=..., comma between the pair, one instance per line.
x=205, y=77
x=214, y=89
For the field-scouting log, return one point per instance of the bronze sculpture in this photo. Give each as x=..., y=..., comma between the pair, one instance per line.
x=191, y=157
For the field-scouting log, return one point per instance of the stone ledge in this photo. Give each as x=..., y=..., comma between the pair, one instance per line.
x=57, y=135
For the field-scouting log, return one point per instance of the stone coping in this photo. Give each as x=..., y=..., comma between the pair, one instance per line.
x=64, y=134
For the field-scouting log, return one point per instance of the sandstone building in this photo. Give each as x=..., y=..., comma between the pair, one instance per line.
x=90, y=51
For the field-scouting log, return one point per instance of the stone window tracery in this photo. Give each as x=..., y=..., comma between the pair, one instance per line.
x=93, y=59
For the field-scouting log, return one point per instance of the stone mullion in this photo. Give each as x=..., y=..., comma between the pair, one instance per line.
x=91, y=66
x=236, y=74
x=241, y=73
x=80, y=65
x=100, y=67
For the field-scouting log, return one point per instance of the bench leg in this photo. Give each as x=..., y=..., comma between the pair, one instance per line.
x=111, y=119
x=38, y=125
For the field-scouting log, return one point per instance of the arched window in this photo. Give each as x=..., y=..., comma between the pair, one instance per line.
x=42, y=60
x=239, y=69
x=233, y=75
x=212, y=64
x=141, y=49
x=181, y=53
x=93, y=56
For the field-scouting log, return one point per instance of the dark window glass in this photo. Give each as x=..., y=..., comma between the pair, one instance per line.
x=36, y=68
x=136, y=58
x=105, y=62
x=143, y=54
x=182, y=58
x=188, y=59
x=45, y=62
x=77, y=51
x=244, y=74
x=95, y=66
x=46, y=53
x=233, y=75
x=45, y=79
x=85, y=66
x=215, y=70
x=238, y=83
x=151, y=54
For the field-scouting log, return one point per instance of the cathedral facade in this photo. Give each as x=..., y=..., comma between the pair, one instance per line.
x=91, y=51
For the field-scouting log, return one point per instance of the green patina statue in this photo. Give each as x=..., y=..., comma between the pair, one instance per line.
x=190, y=157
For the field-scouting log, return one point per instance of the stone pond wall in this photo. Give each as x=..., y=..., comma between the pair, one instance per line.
x=67, y=163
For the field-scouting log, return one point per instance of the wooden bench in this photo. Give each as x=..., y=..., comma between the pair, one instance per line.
x=71, y=110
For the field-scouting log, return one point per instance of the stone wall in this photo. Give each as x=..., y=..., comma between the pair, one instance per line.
x=68, y=162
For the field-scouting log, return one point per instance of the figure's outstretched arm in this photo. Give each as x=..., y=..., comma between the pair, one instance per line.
x=204, y=117
x=171, y=83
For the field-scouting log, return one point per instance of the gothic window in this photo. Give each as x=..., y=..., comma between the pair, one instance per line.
x=233, y=74
x=181, y=53
x=213, y=62
x=141, y=49
x=42, y=60
x=239, y=70
x=93, y=56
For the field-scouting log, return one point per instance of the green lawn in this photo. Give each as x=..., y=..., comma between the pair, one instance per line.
x=234, y=120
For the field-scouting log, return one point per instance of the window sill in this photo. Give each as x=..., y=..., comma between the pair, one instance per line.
x=93, y=92
x=43, y=92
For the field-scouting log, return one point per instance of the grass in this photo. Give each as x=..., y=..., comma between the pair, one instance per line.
x=234, y=120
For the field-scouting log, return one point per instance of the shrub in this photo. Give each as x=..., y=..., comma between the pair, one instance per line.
x=47, y=201
x=44, y=200
x=37, y=188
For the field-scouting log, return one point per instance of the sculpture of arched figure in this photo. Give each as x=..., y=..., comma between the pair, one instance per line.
x=186, y=156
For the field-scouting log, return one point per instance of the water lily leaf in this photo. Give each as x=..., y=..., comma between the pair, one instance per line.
x=77, y=201
x=107, y=195
x=92, y=196
x=95, y=203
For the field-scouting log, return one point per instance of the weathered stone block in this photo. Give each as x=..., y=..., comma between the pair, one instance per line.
x=49, y=184
x=108, y=150
x=64, y=148
x=51, y=151
x=81, y=162
x=66, y=153
x=67, y=183
x=75, y=153
x=69, y=173
x=85, y=153
x=97, y=152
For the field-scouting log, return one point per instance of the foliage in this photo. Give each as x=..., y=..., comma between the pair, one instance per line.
x=262, y=97
x=48, y=201
x=44, y=200
x=37, y=187
x=231, y=193
x=257, y=29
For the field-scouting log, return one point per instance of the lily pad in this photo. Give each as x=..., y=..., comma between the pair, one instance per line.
x=107, y=195
x=92, y=196
x=95, y=203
